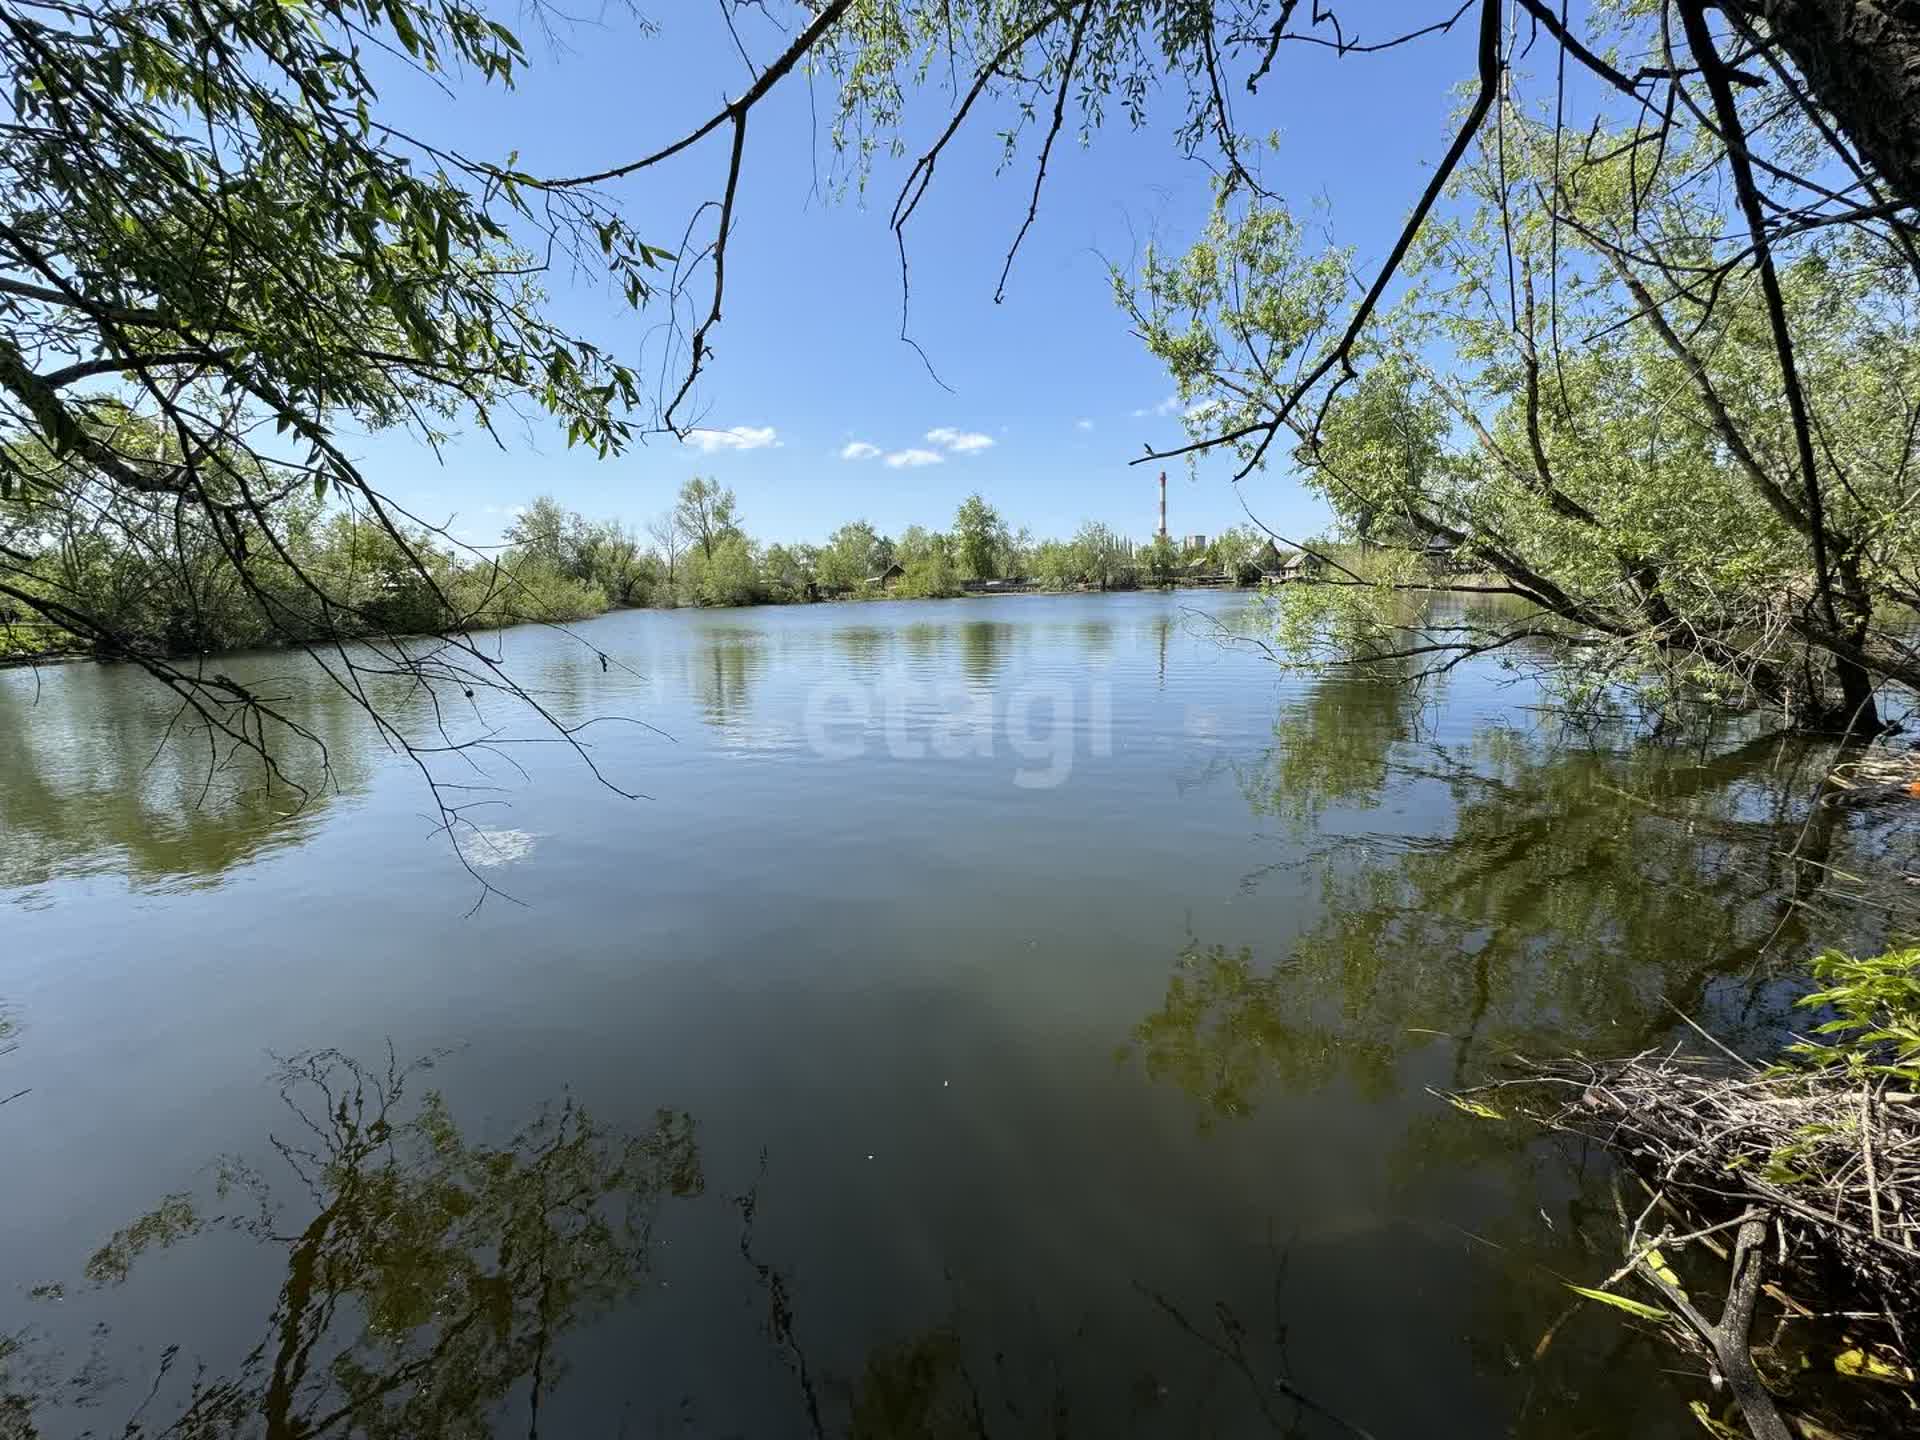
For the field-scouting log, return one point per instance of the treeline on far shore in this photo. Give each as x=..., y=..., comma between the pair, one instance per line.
x=186, y=594
x=699, y=553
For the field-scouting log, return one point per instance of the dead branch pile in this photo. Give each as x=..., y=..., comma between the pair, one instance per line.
x=1832, y=1159
x=1881, y=775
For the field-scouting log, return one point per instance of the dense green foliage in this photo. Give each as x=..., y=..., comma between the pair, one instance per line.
x=1876, y=1026
x=208, y=226
x=158, y=579
x=217, y=255
x=857, y=562
x=202, y=215
x=1569, y=371
x=167, y=587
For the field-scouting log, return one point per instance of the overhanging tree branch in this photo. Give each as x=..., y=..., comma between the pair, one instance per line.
x=1341, y=354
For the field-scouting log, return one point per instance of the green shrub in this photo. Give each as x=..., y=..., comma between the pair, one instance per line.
x=928, y=576
x=512, y=594
x=1876, y=1030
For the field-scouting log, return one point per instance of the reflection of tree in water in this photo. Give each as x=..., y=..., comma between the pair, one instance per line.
x=1229, y=1027
x=865, y=647
x=1336, y=746
x=141, y=792
x=1163, y=627
x=1095, y=637
x=23, y=1379
x=425, y=1277
x=1571, y=899
x=918, y=1386
x=427, y=1284
x=1163, y=1364
x=971, y=1377
x=723, y=672
x=923, y=641
x=1573, y=893
x=985, y=648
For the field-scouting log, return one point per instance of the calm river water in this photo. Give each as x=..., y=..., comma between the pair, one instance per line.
x=999, y=1017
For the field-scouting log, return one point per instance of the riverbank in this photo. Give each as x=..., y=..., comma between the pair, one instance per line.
x=1789, y=1187
x=39, y=645
x=57, y=646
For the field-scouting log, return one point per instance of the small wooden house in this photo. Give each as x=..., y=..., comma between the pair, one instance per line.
x=1294, y=565
x=886, y=579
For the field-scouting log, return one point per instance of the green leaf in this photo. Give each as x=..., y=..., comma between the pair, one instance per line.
x=1621, y=1302
x=1859, y=1363
x=1470, y=1107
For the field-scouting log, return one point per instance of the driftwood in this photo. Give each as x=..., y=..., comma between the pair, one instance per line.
x=1731, y=1338
x=1874, y=779
x=1835, y=1160
x=1816, y=1171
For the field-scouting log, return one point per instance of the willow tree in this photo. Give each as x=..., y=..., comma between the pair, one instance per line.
x=1686, y=455
x=214, y=256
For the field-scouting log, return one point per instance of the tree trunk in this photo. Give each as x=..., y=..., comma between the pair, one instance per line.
x=1861, y=60
x=1859, y=713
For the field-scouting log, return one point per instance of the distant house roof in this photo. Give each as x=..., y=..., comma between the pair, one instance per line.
x=892, y=572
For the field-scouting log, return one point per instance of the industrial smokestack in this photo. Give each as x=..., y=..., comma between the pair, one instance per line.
x=1163, y=504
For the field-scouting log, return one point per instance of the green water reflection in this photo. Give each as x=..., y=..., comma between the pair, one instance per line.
x=1581, y=895
x=723, y=673
x=97, y=771
x=424, y=1284
x=424, y=1277
x=866, y=648
x=985, y=648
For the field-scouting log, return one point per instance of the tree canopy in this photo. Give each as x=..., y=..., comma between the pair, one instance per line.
x=1640, y=493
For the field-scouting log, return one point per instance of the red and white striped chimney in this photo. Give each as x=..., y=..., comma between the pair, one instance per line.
x=1163, y=504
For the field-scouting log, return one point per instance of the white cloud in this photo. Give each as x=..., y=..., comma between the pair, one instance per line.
x=858, y=450
x=914, y=458
x=1165, y=407
x=960, y=442
x=1083, y=424
x=737, y=437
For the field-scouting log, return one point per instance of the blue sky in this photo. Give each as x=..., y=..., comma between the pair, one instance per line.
x=1050, y=396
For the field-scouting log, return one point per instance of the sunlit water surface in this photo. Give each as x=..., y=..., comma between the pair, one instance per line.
x=1001, y=1017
